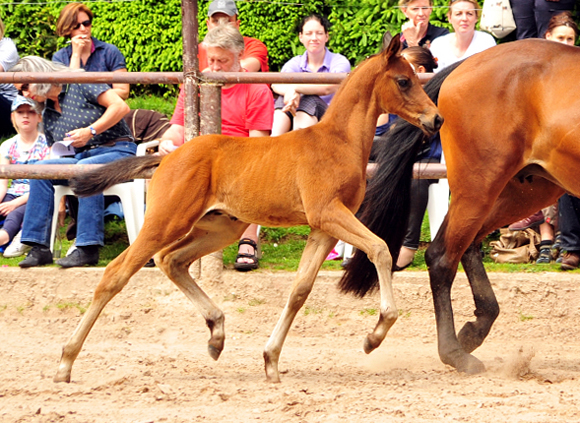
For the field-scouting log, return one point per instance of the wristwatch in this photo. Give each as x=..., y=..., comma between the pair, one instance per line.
x=93, y=131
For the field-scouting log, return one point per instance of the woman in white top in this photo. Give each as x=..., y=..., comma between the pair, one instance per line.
x=465, y=41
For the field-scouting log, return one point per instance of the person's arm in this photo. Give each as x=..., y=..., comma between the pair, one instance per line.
x=3, y=182
x=79, y=43
x=251, y=64
x=172, y=138
x=255, y=57
x=115, y=110
x=122, y=90
x=258, y=133
x=8, y=55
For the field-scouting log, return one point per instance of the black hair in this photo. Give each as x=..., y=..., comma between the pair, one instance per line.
x=314, y=16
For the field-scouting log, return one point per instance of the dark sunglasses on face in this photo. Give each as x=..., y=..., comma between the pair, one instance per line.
x=23, y=87
x=86, y=24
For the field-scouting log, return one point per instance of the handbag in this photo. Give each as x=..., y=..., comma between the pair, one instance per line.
x=497, y=18
x=515, y=246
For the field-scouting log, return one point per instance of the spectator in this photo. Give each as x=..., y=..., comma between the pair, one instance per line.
x=465, y=41
x=255, y=57
x=423, y=61
x=417, y=31
x=247, y=111
x=84, y=51
x=90, y=116
x=303, y=105
x=533, y=16
x=8, y=58
x=28, y=146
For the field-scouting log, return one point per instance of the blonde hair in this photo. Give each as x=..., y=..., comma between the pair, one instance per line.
x=225, y=36
x=38, y=64
x=38, y=128
x=2, y=29
x=405, y=3
x=475, y=4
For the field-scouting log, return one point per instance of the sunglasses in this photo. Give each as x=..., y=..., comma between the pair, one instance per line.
x=23, y=87
x=86, y=24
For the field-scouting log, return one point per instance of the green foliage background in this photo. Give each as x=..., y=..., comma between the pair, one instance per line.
x=148, y=32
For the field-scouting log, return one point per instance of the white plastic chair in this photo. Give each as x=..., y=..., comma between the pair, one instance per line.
x=438, y=203
x=131, y=194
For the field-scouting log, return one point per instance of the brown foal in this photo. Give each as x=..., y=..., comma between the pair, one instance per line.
x=204, y=195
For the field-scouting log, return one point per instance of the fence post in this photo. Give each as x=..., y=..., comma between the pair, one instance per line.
x=190, y=29
x=211, y=266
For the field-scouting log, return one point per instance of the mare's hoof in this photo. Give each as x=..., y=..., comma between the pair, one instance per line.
x=213, y=352
x=471, y=366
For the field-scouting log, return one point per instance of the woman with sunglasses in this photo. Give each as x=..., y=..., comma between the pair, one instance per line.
x=465, y=41
x=417, y=31
x=84, y=51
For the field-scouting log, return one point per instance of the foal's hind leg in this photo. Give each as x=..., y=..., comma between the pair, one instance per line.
x=318, y=246
x=211, y=233
x=116, y=276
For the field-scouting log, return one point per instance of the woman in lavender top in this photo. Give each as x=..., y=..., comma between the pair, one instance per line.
x=302, y=105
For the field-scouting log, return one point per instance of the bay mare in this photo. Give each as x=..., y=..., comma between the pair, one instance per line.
x=511, y=141
x=204, y=195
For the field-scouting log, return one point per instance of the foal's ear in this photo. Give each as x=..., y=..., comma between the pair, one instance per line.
x=394, y=47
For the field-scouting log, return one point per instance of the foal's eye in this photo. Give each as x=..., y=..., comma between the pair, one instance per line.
x=403, y=83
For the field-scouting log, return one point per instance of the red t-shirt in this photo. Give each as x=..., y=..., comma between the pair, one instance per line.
x=253, y=48
x=245, y=107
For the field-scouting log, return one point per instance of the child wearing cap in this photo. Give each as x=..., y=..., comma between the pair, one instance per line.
x=28, y=146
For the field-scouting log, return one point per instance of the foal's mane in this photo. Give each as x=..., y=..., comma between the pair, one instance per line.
x=350, y=79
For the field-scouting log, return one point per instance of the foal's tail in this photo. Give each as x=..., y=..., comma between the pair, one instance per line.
x=385, y=209
x=98, y=180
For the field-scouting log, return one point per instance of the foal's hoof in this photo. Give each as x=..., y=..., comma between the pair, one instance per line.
x=61, y=378
x=369, y=346
x=214, y=352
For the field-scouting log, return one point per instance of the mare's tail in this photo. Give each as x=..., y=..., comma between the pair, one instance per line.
x=385, y=209
x=98, y=180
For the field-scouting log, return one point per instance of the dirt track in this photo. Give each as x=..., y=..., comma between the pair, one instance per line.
x=146, y=360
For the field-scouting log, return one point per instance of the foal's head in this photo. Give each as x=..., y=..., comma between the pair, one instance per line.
x=399, y=91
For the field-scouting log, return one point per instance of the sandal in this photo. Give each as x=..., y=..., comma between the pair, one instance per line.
x=244, y=267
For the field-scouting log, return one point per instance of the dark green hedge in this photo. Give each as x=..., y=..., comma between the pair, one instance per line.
x=148, y=32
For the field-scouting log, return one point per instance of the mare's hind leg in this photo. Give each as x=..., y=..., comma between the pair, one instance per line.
x=212, y=233
x=516, y=201
x=318, y=246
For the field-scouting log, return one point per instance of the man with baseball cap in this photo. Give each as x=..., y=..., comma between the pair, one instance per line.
x=255, y=58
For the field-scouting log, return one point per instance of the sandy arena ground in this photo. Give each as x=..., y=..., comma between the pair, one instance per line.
x=146, y=358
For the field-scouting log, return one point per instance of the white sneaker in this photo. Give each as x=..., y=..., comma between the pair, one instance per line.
x=16, y=248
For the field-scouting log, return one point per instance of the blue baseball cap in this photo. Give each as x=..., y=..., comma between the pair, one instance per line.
x=21, y=101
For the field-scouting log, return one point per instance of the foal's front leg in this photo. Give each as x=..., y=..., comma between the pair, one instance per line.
x=318, y=246
x=342, y=224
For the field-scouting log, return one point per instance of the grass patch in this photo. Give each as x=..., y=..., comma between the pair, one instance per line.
x=525, y=317
x=152, y=102
x=254, y=302
x=69, y=305
x=311, y=310
x=368, y=312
